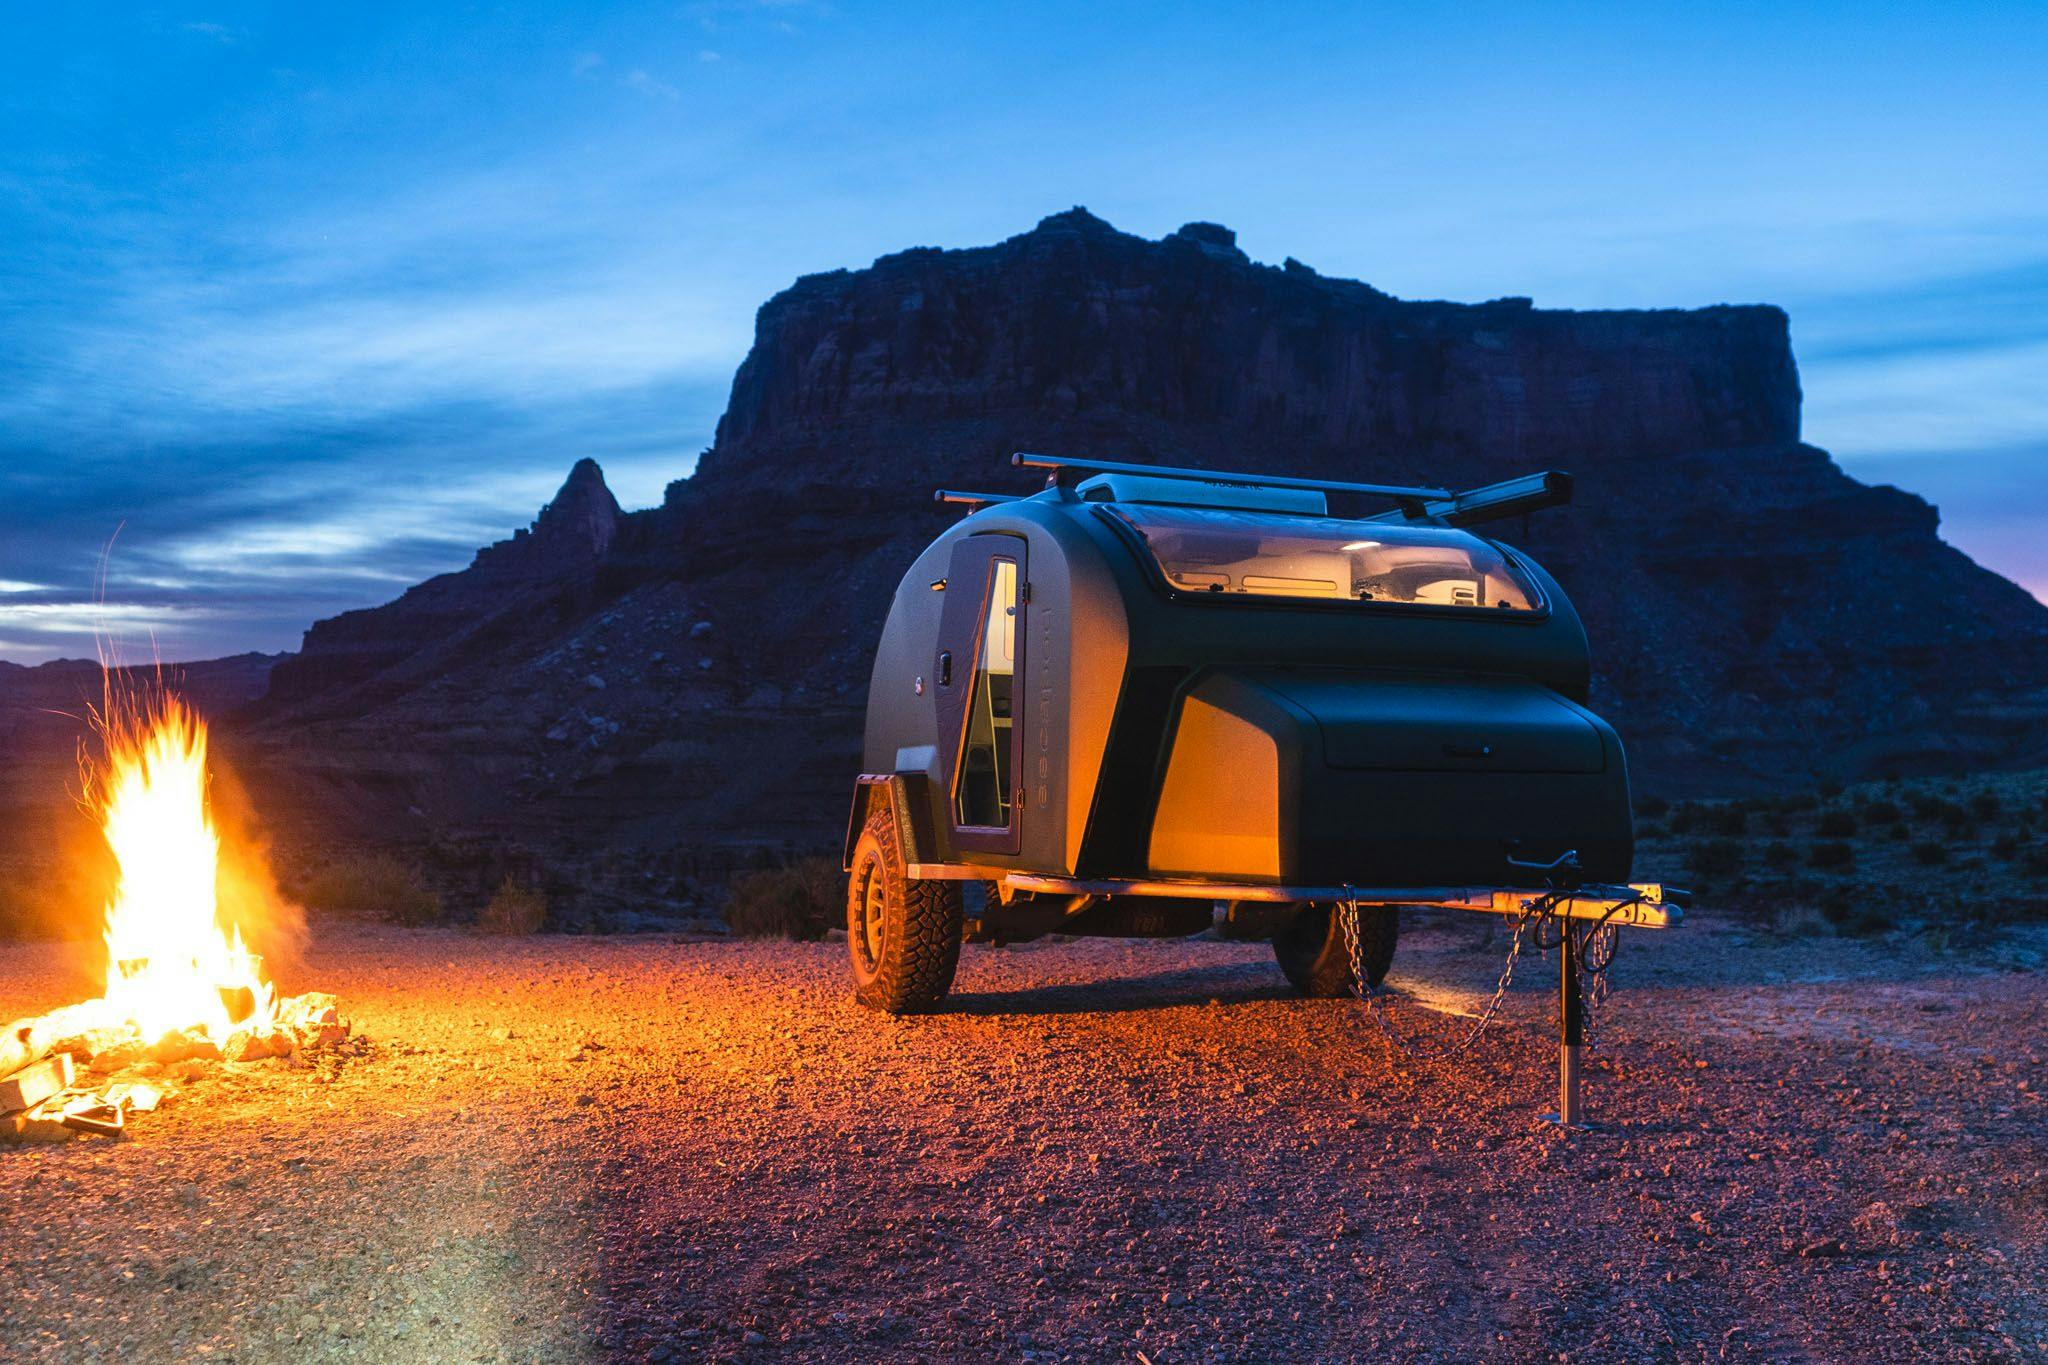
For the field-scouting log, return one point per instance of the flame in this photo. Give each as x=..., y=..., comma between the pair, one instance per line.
x=171, y=964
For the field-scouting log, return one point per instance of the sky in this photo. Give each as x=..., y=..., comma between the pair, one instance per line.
x=300, y=305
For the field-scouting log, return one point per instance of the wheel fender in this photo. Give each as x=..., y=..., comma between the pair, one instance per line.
x=891, y=792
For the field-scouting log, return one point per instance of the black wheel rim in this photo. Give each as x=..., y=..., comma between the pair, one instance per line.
x=870, y=920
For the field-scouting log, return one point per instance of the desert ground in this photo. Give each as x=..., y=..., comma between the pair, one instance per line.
x=649, y=1148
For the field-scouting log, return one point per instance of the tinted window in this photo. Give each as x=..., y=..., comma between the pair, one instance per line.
x=1260, y=554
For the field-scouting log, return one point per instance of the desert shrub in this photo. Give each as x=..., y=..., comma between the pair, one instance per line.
x=1924, y=805
x=1803, y=801
x=1899, y=832
x=1859, y=916
x=1714, y=857
x=1775, y=824
x=2036, y=860
x=1682, y=817
x=1930, y=852
x=2006, y=846
x=1649, y=829
x=1800, y=920
x=1942, y=809
x=1779, y=856
x=514, y=908
x=1984, y=806
x=799, y=900
x=1881, y=813
x=1727, y=821
x=1652, y=807
x=376, y=885
x=1829, y=790
x=1831, y=853
x=1835, y=824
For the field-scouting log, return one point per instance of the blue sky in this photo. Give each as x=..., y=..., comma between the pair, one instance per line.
x=311, y=304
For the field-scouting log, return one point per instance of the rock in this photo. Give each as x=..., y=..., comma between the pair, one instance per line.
x=187, y=1046
x=594, y=683
x=316, y=1007
x=700, y=630
x=245, y=1046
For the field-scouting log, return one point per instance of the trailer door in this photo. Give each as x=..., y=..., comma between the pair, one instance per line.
x=980, y=672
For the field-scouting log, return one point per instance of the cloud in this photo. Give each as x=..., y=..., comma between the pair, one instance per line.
x=587, y=64
x=220, y=33
x=1949, y=363
x=639, y=80
x=71, y=617
x=1930, y=401
x=244, y=529
x=706, y=55
x=519, y=287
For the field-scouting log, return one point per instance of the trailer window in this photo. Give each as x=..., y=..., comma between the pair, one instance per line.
x=1256, y=554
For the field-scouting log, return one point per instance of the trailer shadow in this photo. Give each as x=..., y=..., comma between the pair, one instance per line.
x=1219, y=984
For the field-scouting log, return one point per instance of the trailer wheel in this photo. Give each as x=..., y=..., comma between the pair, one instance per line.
x=902, y=935
x=1310, y=948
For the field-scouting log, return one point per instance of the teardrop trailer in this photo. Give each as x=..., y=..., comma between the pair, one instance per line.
x=1145, y=692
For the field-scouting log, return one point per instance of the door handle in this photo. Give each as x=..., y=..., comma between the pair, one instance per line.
x=945, y=668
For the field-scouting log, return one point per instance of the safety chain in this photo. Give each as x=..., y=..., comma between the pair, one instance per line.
x=1596, y=955
x=1597, y=951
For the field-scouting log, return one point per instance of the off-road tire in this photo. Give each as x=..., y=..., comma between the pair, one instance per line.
x=1310, y=949
x=902, y=936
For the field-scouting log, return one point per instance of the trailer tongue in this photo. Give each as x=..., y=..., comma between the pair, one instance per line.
x=1580, y=916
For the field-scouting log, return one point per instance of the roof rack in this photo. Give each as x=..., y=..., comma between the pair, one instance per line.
x=1490, y=502
x=1508, y=498
x=1060, y=465
x=973, y=499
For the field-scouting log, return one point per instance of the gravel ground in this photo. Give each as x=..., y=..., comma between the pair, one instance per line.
x=648, y=1149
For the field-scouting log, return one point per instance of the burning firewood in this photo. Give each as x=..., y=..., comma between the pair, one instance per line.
x=31, y=1040
x=43, y=1122
x=33, y=1084
x=181, y=986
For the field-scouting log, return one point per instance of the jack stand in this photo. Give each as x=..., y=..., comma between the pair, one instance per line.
x=1571, y=1028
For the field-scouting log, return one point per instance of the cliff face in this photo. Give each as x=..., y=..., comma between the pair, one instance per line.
x=1186, y=344
x=1757, y=616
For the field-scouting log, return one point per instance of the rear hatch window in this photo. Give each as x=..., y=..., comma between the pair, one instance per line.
x=1211, y=551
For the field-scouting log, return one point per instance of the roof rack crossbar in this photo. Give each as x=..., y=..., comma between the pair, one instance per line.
x=973, y=499
x=1025, y=460
x=1492, y=502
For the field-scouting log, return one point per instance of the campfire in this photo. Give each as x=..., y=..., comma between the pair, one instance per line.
x=181, y=986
